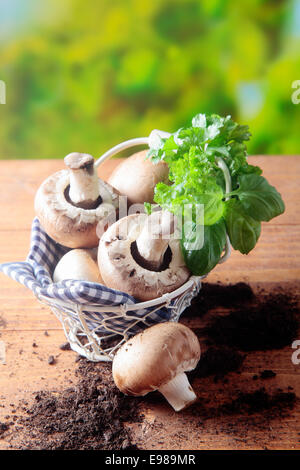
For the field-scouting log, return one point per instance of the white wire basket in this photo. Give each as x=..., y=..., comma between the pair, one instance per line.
x=96, y=331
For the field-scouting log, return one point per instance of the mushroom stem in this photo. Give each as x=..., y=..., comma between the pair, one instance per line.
x=84, y=185
x=178, y=392
x=153, y=240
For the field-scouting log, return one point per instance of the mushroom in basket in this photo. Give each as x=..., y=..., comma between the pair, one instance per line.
x=79, y=264
x=137, y=176
x=70, y=203
x=138, y=255
x=157, y=359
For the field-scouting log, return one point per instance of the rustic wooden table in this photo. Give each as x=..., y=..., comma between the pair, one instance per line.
x=23, y=321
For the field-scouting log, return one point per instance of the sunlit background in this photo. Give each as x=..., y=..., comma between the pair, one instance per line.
x=83, y=75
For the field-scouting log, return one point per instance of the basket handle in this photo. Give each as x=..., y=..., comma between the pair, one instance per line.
x=151, y=141
x=118, y=148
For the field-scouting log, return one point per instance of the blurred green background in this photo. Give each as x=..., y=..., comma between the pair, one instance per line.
x=84, y=75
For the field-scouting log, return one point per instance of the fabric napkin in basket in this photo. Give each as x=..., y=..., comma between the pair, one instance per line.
x=36, y=274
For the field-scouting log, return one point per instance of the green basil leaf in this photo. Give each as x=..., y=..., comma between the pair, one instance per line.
x=203, y=252
x=242, y=229
x=259, y=199
x=213, y=206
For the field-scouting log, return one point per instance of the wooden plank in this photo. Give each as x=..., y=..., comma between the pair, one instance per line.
x=27, y=369
x=283, y=173
x=275, y=258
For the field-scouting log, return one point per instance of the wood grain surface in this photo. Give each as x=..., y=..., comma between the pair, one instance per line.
x=30, y=333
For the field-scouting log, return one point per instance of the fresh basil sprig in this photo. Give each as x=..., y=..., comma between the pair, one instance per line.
x=243, y=230
x=258, y=198
x=195, y=178
x=202, y=260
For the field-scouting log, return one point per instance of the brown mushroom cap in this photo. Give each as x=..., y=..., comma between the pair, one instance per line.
x=154, y=358
x=121, y=267
x=65, y=222
x=136, y=177
x=79, y=264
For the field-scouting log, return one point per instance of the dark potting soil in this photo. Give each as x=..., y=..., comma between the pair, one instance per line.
x=250, y=322
x=259, y=401
x=89, y=416
x=259, y=407
x=217, y=361
x=266, y=323
x=213, y=296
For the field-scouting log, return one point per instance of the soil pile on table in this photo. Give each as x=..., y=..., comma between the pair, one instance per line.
x=248, y=413
x=266, y=323
x=260, y=400
x=89, y=416
x=213, y=296
x=248, y=322
x=238, y=322
x=217, y=361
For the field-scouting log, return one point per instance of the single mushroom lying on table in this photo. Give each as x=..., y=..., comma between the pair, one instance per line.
x=139, y=256
x=137, y=176
x=70, y=203
x=79, y=264
x=157, y=359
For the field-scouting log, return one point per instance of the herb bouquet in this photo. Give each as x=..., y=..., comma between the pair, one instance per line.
x=193, y=155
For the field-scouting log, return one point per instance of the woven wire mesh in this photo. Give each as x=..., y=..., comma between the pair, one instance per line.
x=97, y=334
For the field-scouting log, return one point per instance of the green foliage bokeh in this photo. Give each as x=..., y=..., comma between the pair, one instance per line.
x=86, y=75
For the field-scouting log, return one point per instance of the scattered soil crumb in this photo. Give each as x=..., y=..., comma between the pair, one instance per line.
x=65, y=346
x=2, y=322
x=51, y=360
x=267, y=374
x=3, y=427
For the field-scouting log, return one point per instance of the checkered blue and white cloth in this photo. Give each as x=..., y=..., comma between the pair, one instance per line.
x=36, y=274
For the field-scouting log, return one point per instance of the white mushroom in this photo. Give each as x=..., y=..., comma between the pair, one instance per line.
x=79, y=264
x=137, y=176
x=70, y=203
x=137, y=255
x=157, y=359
